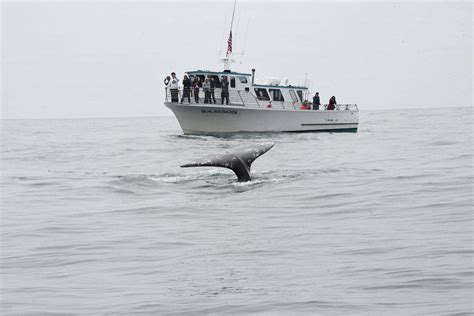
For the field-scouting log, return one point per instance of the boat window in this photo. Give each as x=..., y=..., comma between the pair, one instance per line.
x=276, y=95
x=243, y=79
x=262, y=94
x=232, y=82
x=201, y=77
x=293, y=96
x=300, y=94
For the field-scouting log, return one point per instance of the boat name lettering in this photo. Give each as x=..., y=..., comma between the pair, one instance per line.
x=219, y=111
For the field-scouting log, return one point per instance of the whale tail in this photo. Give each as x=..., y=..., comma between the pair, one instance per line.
x=239, y=160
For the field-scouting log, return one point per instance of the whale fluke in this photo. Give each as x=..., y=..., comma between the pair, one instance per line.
x=239, y=160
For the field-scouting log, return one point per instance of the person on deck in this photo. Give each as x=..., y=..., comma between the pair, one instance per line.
x=196, y=84
x=332, y=103
x=186, y=89
x=173, y=85
x=316, y=101
x=206, y=87
x=167, y=81
x=213, y=87
x=224, y=90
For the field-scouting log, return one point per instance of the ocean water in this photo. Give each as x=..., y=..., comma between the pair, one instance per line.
x=98, y=218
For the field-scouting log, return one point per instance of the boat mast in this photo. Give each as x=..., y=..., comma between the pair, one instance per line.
x=227, y=60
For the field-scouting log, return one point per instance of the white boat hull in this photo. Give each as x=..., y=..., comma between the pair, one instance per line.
x=221, y=119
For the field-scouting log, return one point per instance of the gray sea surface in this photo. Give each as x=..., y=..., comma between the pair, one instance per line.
x=97, y=217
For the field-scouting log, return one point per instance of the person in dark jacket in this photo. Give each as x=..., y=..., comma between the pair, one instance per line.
x=316, y=101
x=167, y=80
x=224, y=90
x=196, y=84
x=332, y=103
x=186, y=89
x=213, y=87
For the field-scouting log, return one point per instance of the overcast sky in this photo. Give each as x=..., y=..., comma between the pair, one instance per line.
x=99, y=59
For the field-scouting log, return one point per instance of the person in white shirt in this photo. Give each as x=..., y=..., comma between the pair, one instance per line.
x=206, y=87
x=173, y=85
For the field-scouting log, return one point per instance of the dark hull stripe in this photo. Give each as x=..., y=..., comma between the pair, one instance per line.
x=337, y=130
x=323, y=124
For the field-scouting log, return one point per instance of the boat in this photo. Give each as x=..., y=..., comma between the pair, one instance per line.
x=254, y=106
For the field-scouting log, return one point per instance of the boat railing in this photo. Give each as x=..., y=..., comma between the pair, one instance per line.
x=244, y=98
x=344, y=107
x=236, y=97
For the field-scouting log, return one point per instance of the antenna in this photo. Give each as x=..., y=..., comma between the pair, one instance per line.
x=221, y=41
x=305, y=84
x=236, y=33
x=233, y=13
x=245, y=40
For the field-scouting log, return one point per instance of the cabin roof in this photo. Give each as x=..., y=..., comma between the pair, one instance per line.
x=194, y=72
x=280, y=86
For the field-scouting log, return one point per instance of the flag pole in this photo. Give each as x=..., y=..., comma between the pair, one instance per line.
x=233, y=13
x=227, y=59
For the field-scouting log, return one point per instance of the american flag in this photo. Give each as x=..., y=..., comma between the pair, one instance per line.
x=229, y=44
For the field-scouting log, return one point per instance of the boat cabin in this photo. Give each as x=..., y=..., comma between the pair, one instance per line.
x=242, y=84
